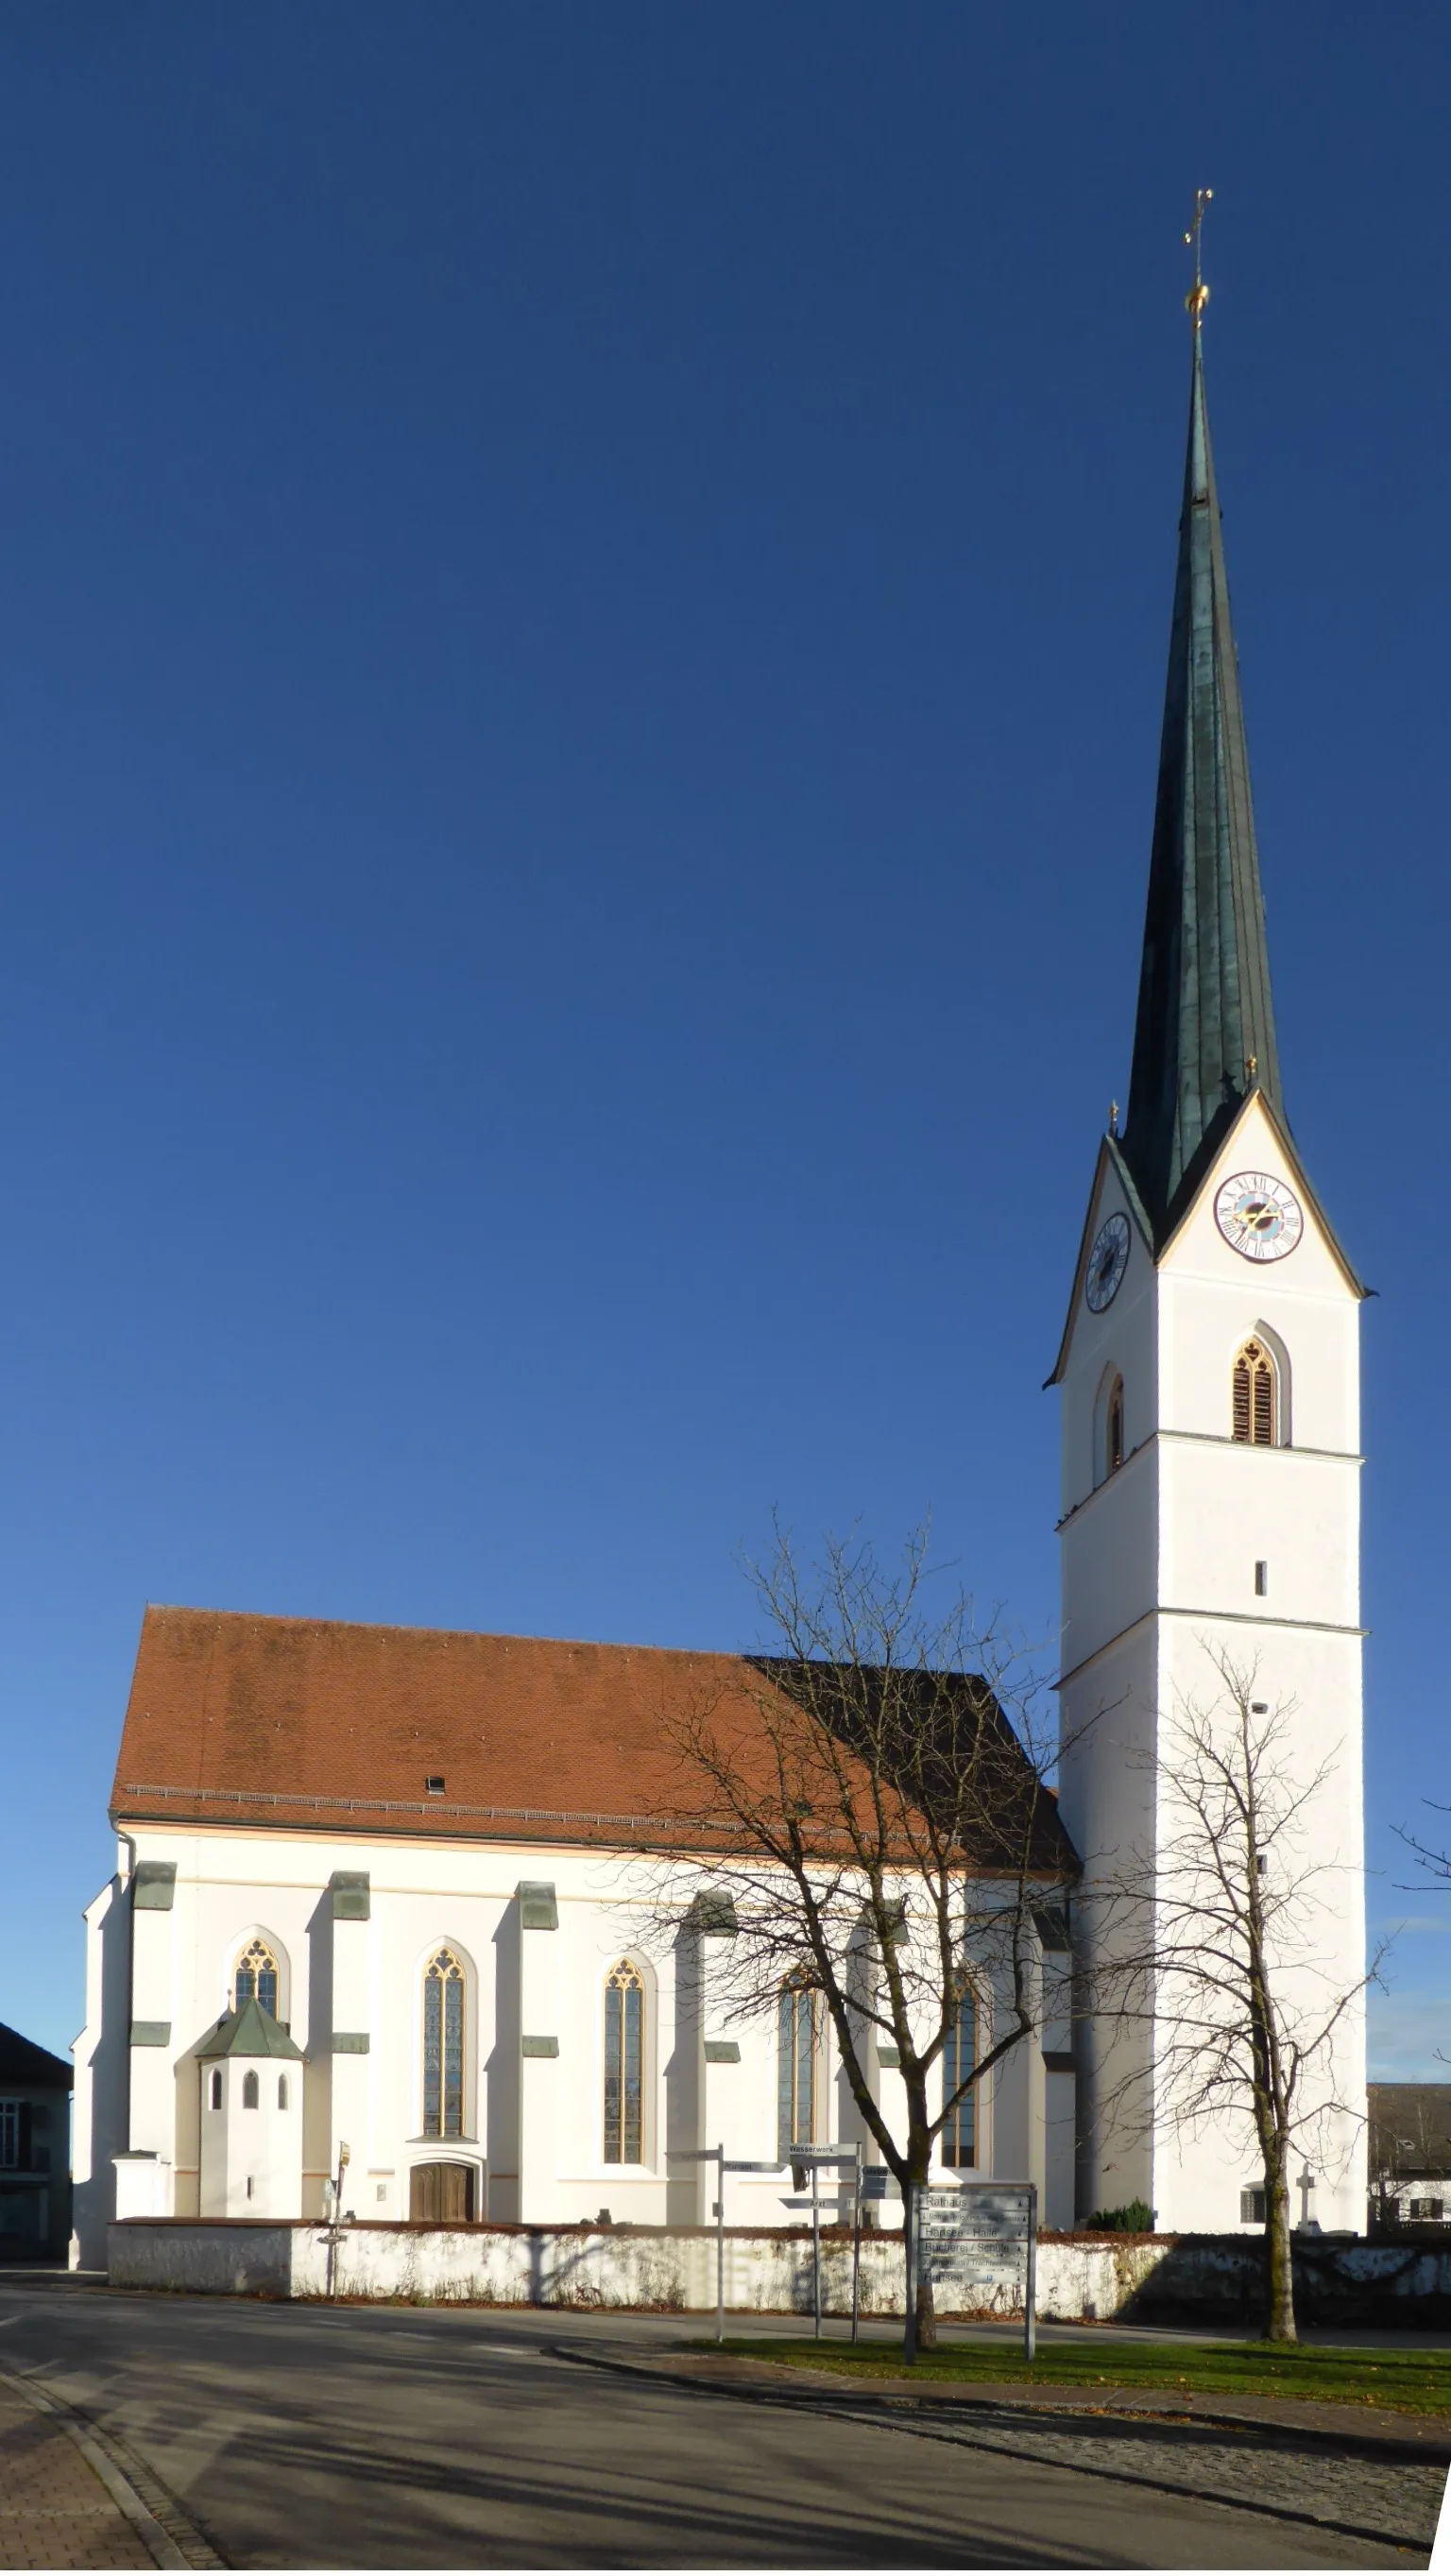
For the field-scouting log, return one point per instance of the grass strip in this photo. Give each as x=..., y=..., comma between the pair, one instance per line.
x=1417, y=2383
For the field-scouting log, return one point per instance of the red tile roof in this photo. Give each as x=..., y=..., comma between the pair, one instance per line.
x=319, y=1722
x=337, y=1728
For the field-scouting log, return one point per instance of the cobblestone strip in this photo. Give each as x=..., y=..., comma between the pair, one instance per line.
x=1264, y=2472
x=1364, y=2498
x=158, y=2532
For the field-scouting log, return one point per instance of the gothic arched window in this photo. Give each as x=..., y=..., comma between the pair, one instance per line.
x=795, y=2065
x=443, y=2047
x=216, y=2088
x=281, y=2092
x=959, y=2056
x=251, y=2090
x=1254, y=1403
x=256, y=1978
x=624, y=2065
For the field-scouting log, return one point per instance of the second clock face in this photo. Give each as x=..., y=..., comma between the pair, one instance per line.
x=1107, y=1262
x=1259, y=1216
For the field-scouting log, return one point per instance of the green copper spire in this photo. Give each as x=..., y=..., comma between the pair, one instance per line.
x=1205, y=1033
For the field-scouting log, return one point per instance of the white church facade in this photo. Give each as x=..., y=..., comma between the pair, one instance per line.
x=381, y=1890
x=377, y=1915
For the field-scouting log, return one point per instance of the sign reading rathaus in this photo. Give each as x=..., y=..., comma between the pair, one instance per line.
x=379, y=1885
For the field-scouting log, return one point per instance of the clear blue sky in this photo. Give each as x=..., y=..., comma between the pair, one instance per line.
x=582, y=623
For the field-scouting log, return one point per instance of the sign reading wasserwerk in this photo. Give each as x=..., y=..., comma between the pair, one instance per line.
x=966, y=2235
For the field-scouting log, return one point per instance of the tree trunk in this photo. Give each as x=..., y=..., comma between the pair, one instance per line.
x=1279, y=2326
x=926, y=2314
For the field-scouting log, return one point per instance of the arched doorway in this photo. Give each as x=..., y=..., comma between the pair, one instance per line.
x=441, y=2195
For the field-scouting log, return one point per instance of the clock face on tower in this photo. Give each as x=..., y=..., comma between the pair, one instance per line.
x=1107, y=1262
x=1259, y=1216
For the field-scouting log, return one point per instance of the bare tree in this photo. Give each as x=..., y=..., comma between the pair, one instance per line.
x=869, y=1811
x=1210, y=1944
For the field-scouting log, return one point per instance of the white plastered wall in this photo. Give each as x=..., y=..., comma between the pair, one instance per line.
x=1160, y=1568
x=365, y=1978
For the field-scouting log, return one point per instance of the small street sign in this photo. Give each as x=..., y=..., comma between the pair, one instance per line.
x=878, y=2183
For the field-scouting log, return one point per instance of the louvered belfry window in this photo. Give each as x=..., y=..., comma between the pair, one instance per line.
x=1254, y=1407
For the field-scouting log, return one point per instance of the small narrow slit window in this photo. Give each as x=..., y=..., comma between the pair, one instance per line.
x=281, y=2092
x=216, y=2088
x=251, y=2091
x=1254, y=1408
x=1113, y=1450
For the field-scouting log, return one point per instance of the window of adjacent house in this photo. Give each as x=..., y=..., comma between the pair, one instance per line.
x=251, y=2090
x=1254, y=1407
x=9, y=2133
x=1252, y=2206
x=257, y=1978
x=1113, y=1428
x=216, y=2088
x=443, y=2048
x=795, y=2066
x=959, y=2056
x=624, y=2065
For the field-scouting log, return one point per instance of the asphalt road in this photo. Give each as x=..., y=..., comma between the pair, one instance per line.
x=314, y=2437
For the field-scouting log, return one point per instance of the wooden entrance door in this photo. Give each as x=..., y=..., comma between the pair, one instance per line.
x=441, y=2195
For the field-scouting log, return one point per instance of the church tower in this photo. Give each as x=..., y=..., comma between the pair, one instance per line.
x=1210, y=1422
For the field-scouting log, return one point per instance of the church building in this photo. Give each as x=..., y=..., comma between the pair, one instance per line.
x=375, y=1918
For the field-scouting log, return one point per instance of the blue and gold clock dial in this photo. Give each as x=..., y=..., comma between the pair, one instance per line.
x=1107, y=1262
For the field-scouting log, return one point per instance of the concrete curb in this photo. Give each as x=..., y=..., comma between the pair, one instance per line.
x=169, y=2534
x=901, y=2416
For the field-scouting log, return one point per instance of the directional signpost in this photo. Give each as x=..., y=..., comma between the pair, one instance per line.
x=815, y=2158
x=960, y=2237
x=724, y=2164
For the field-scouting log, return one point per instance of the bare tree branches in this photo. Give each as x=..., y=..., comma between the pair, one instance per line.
x=882, y=1832
x=1212, y=1943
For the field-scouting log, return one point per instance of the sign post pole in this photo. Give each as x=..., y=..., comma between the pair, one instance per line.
x=856, y=2246
x=1030, y=2284
x=909, y=2255
x=720, y=2242
x=816, y=2245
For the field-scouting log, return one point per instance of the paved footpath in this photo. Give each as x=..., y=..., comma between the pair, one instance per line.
x=54, y=2510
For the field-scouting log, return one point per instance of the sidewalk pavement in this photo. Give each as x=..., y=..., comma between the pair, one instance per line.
x=55, y=2510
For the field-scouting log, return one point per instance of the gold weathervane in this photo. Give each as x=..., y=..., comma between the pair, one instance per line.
x=1198, y=295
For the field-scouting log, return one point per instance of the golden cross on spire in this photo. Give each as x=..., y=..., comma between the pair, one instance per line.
x=1198, y=295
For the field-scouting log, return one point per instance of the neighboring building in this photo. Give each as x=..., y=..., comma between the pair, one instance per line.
x=1210, y=1419
x=1410, y=2154
x=35, y=2185
x=382, y=1888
